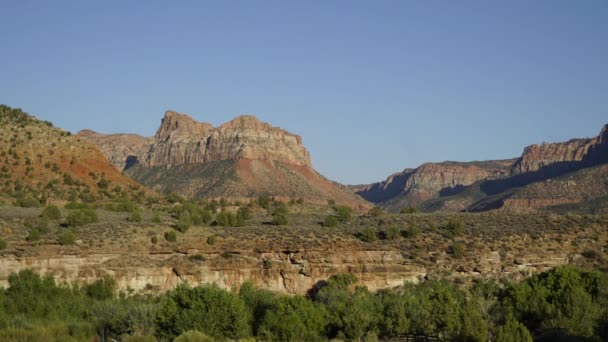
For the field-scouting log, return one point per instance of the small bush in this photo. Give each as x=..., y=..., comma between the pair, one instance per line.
x=368, y=235
x=279, y=216
x=455, y=227
x=193, y=336
x=457, y=250
x=67, y=237
x=211, y=240
x=123, y=206
x=264, y=201
x=330, y=221
x=226, y=219
x=135, y=216
x=154, y=240
x=376, y=211
x=408, y=210
x=392, y=233
x=81, y=217
x=174, y=198
x=411, y=232
x=3, y=244
x=344, y=213
x=184, y=222
x=156, y=218
x=34, y=235
x=101, y=289
x=171, y=236
x=76, y=205
x=51, y=212
x=27, y=202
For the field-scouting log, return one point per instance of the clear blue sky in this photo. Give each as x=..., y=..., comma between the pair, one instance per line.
x=372, y=86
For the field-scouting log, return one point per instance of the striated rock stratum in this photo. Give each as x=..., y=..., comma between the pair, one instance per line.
x=242, y=158
x=523, y=183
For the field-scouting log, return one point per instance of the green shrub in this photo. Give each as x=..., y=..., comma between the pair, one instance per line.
x=76, y=205
x=34, y=235
x=411, y=231
x=134, y=216
x=154, y=240
x=279, y=216
x=330, y=221
x=184, y=222
x=457, y=250
x=174, y=198
x=193, y=336
x=211, y=240
x=3, y=244
x=26, y=202
x=367, y=235
x=264, y=201
x=51, y=212
x=156, y=218
x=344, y=213
x=455, y=227
x=138, y=338
x=170, y=236
x=81, y=217
x=408, y=210
x=376, y=211
x=218, y=313
x=226, y=219
x=67, y=237
x=392, y=232
x=280, y=219
x=101, y=289
x=122, y=206
x=513, y=331
x=243, y=213
x=294, y=319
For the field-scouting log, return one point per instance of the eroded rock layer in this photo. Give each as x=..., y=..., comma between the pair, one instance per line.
x=242, y=158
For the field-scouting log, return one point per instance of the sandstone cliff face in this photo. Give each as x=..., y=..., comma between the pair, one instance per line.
x=182, y=140
x=583, y=151
x=536, y=157
x=431, y=180
x=122, y=150
x=242, y=158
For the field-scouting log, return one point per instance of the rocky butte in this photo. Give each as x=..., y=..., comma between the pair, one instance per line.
x=240, y=159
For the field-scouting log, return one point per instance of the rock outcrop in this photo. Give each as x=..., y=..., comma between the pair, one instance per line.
x=575, y=152
x=488, y=185
x=182, y=140
x=242, y=158
x=432, y=180
x=122, y=150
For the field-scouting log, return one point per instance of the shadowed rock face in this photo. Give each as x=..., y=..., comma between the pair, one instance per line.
x=431, y=180
x=583, y=151
x=123, y=150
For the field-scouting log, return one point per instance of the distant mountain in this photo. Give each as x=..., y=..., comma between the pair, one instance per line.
x=37, y=158
x=486, y=185
x=242, y=158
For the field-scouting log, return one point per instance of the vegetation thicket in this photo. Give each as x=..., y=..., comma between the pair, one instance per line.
x=566, y=299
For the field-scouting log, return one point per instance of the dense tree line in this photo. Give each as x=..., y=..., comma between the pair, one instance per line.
x=565, y=301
